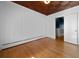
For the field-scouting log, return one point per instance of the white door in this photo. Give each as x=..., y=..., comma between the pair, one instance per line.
x=70, y=28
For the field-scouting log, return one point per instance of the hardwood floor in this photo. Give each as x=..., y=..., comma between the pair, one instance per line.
x=44, y=47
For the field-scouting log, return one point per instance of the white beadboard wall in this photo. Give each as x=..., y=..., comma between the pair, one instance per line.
x=18, y=23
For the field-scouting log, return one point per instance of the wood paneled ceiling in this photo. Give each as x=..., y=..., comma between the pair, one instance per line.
x=47, y=9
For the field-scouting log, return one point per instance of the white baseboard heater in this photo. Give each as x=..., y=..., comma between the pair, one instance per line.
x=7, y=45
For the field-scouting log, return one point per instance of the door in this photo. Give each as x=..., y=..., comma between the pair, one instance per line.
x=70, y=28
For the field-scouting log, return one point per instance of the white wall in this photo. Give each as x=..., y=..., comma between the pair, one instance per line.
x=51, y=27
x=20, y=23
x=60, y=14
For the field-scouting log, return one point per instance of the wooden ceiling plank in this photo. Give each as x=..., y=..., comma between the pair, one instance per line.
x=47, y=9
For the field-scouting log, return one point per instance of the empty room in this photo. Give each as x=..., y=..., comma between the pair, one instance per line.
x=39, y=29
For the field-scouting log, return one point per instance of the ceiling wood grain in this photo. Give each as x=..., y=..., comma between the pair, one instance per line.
x=47, y=9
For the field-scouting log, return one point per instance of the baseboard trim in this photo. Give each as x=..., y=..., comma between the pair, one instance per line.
x=71, y=43
x=8, y=45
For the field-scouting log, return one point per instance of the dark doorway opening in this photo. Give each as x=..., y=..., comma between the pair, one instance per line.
x=60, y=27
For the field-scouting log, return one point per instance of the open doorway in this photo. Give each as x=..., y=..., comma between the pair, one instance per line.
x=60, y=28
